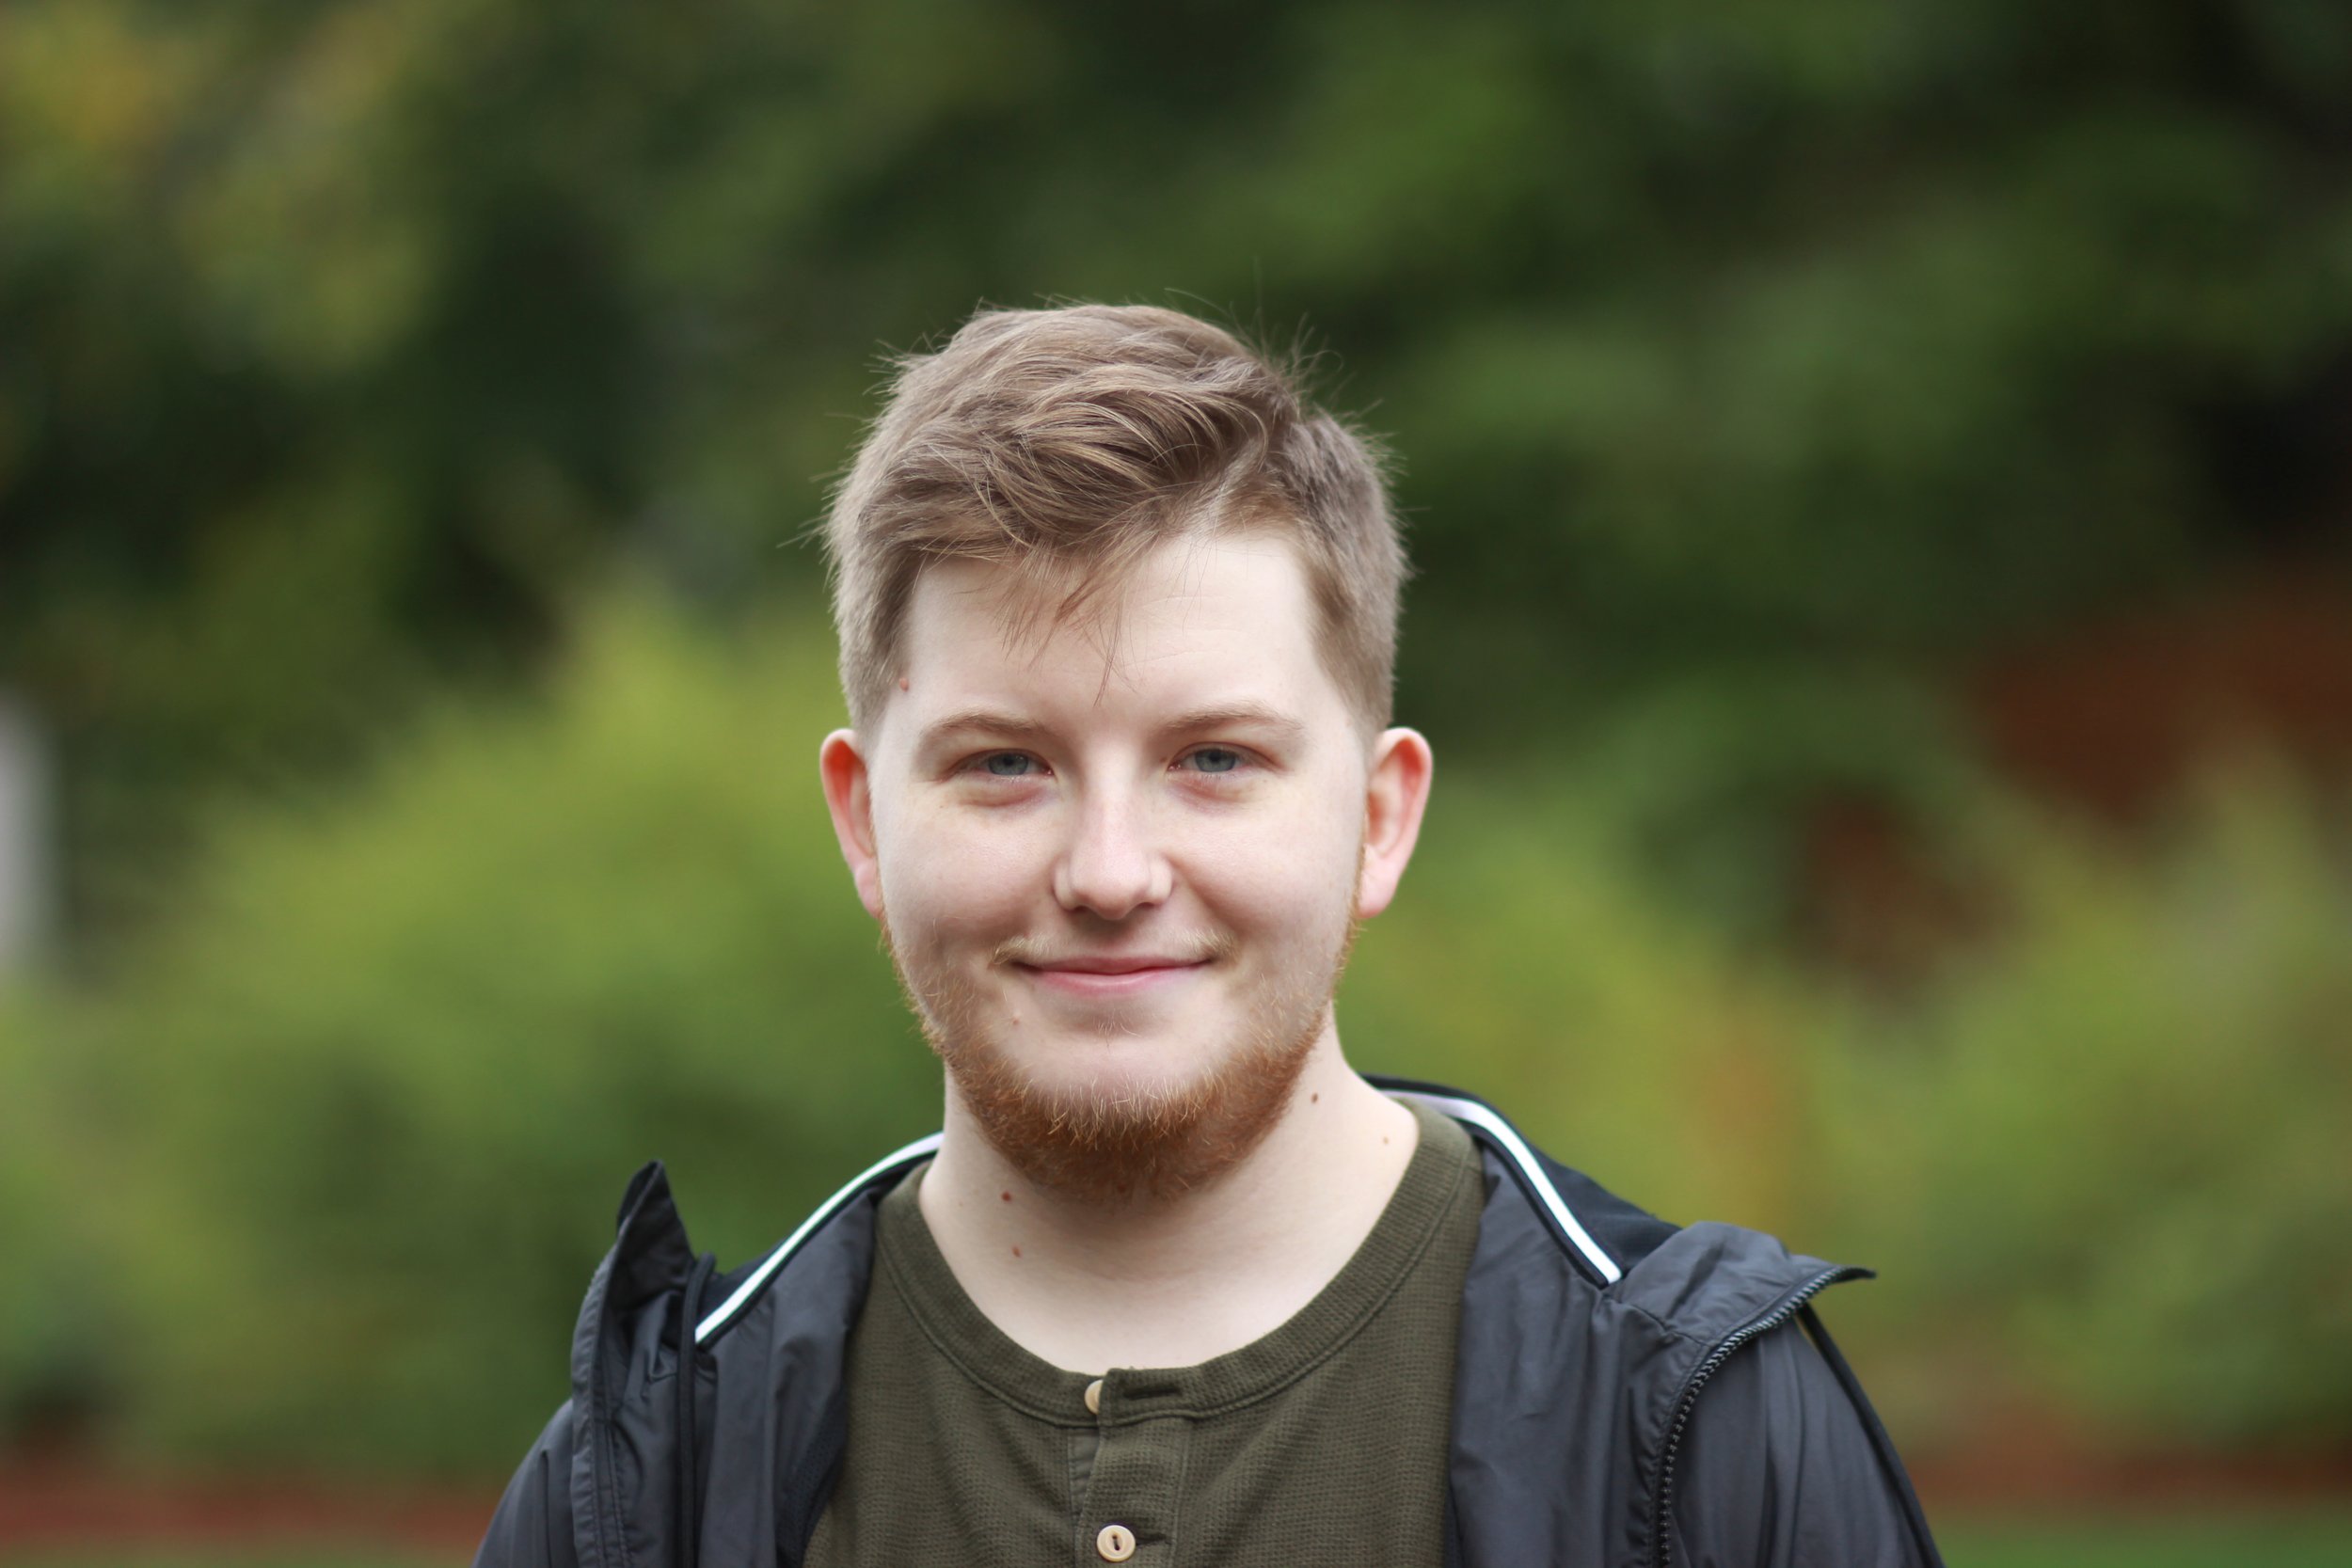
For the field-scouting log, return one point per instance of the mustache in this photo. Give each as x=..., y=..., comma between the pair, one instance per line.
x=1207, y=947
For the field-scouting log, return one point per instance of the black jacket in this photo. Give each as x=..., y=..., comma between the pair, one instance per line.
x=1628, y=1394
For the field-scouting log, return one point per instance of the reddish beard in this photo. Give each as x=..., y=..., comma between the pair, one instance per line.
x=1109, y=1149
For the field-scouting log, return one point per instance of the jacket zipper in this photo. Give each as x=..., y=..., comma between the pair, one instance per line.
x=1780, y=1313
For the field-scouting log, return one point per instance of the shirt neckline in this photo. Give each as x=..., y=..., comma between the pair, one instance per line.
x=1444, y=1161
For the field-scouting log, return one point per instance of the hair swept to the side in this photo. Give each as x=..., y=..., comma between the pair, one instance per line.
x=1067, y=442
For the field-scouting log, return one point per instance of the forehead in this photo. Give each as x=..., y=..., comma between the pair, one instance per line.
x=1200, y=620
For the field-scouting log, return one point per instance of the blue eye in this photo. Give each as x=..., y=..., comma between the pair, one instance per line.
x=1008, y=764
x=1215, y=759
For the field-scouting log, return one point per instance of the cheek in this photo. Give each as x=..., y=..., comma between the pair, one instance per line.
x=941, y=881
x=1288, y=872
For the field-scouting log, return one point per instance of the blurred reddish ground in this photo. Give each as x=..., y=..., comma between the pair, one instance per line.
x=49, y=1500
x=54, y=1502
x=2033, y=1474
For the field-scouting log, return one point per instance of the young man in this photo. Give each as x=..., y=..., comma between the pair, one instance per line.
x=1118, y=617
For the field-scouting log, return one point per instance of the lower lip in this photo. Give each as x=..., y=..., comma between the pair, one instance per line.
x=1078, y=982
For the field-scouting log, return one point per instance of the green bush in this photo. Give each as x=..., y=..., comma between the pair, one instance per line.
x=384, y=1083
x=1527, y=961
x=2120, y=1132
x=350, y=1129
x=50, y=1327
x=2098, y=1158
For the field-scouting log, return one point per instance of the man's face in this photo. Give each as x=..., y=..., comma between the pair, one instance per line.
x=1119, y=862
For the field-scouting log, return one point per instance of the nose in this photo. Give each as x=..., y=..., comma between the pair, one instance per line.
x=1110, y=866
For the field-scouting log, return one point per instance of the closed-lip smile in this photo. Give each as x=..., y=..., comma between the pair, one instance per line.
x=1103, y=975
x=1115, y=966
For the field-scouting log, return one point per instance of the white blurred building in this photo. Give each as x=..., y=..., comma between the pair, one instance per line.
x=28, y=885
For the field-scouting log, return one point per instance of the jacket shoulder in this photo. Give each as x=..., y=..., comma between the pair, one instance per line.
x=1627, y=1390
x=603, y=1487
x=565, y=1507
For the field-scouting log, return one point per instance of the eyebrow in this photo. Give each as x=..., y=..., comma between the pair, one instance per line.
x=985, y=719
x=1226, y=716
x=1219, y=716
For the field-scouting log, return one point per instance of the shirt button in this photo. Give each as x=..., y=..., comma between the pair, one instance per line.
x=1094, y=1405
x=1115, y=1543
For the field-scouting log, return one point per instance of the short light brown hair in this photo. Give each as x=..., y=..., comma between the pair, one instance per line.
x=1068, y=442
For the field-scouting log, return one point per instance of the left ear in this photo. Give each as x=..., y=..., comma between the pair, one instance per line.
x=1396, y=792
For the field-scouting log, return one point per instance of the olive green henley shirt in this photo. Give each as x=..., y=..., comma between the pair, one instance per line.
x=1323, y=1442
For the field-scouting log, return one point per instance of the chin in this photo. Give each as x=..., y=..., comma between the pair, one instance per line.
x=1111, y=1069
x=1122, y=1118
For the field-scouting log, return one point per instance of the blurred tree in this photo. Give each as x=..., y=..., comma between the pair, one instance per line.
x=1843, y=338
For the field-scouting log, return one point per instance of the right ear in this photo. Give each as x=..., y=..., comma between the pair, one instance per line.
x=849, y=796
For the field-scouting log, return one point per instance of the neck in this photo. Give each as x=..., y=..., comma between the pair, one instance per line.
x=1165, y=1281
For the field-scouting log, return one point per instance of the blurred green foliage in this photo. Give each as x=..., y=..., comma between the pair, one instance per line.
x=1756, y=369
x=337, y=1157
x=50, y=1347
x=377, y=1095
x=2097, y=1153
x=1840, y=338
x=2125, y=1126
